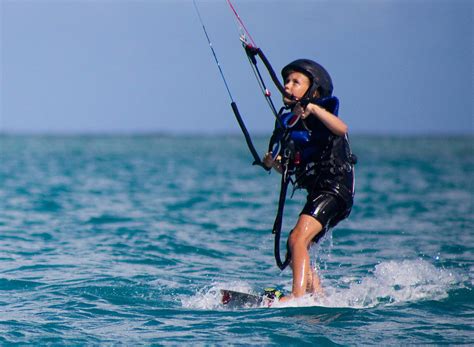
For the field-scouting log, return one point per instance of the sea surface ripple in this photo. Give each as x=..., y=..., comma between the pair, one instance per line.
x=128, y=239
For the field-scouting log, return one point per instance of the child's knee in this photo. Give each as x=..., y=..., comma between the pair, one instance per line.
x=296, y=240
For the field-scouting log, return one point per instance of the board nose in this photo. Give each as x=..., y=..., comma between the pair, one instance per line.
x=225, y=298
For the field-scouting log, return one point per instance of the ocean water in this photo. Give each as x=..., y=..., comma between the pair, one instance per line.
x=128, y=239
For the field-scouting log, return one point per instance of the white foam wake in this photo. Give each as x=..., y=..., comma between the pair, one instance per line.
x=389, y=283
x=209, y=298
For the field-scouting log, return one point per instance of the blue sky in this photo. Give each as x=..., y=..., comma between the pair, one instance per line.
x=399, y=67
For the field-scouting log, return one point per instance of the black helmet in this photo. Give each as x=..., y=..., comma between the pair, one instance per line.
x=319, y=77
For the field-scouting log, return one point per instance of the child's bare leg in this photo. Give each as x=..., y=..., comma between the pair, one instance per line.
x=303, y=277
x=314, y=286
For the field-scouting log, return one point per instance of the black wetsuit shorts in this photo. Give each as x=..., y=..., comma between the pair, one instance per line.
x=328, y=209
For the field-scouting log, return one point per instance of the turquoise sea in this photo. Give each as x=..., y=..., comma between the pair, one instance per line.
x=128, y=239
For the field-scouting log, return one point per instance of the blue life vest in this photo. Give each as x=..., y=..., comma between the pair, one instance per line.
x=305, y=140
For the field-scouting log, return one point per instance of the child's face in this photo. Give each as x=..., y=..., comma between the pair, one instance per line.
x=296, y=84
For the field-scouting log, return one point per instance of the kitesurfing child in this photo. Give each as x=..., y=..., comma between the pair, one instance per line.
x=321, y=160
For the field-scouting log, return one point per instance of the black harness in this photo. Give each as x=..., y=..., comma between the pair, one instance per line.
x=335, y=160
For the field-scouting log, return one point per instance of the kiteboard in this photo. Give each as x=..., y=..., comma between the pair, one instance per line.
x=235, y=299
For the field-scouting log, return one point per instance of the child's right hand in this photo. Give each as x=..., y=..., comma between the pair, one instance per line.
x=270, y=163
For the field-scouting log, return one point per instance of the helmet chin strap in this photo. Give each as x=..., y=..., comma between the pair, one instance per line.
x=305, y=100
x=290, y=101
